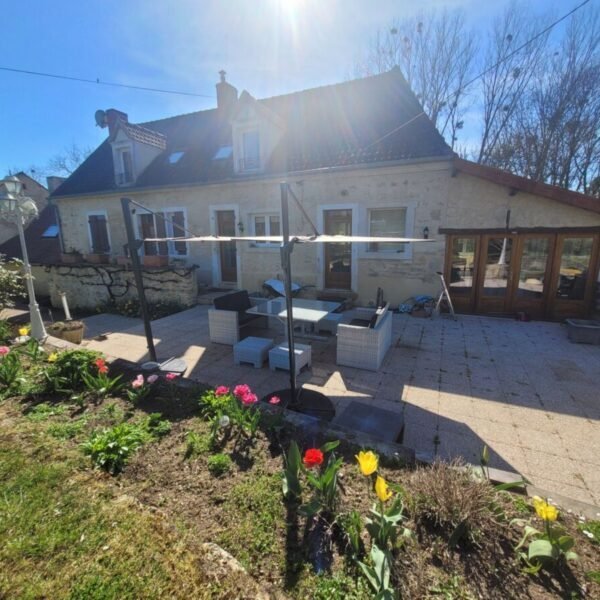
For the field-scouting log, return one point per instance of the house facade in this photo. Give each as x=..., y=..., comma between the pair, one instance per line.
x=362, y=159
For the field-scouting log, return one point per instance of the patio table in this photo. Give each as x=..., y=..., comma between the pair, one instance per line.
x=303, y=311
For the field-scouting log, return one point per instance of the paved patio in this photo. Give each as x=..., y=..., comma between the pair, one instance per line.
x=521, y=388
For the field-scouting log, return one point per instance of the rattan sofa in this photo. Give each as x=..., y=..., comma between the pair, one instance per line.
x=364, y=342
x=228, y=316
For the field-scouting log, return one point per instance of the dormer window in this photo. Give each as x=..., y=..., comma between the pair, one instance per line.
x=124, y=167
x=250, y=160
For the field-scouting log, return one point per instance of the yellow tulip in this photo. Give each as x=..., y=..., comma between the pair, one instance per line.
x=367, y=462
x=382, y=490
x=23, y=330
x=52, y=357
x=545, y=511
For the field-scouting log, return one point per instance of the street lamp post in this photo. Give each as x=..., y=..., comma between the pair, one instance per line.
x=19, y=208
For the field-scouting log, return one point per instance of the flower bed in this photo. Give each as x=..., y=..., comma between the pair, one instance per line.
x=306, y=516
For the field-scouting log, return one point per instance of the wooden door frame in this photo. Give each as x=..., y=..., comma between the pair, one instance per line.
x=573, y=307
x=512, y=304
x=462, y=302
x=553, y=309
x=217, y=280
x=354, y=247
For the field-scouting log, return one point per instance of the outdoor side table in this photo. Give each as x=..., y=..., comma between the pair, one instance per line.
x=252, y=350
x=279, y=357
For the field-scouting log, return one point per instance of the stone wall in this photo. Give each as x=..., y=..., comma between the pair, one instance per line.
x=89, y=286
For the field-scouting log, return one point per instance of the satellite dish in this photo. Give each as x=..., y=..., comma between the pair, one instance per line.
x=100, y=117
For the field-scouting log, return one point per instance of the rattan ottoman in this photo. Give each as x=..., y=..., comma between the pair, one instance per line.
x=279, y=357
x=252, y=350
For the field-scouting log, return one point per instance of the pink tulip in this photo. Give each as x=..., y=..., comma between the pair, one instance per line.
x=249, y=398
x=4, y=350
x=152, y=378
x=138, y=382
x=171, y=376
x=222, y=390
x=241, y=390
x=275, y=400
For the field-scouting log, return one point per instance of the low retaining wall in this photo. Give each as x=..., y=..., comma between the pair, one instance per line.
x=88, y=286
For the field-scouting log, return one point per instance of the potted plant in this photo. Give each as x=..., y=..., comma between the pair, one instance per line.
x=70, y=331
x=97, y=259
x=156, y=260
x=71, y=257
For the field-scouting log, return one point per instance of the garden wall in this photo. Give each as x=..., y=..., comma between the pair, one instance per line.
x=89, y=286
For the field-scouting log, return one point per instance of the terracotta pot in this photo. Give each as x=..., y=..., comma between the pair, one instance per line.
x=70, y=258
x=124, y=261
x=156, y=261
x=70, y=331
x=97, y=259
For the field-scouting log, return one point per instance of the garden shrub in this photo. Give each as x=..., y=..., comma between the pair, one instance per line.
x=5, y=331
x=219, y=464
x=11, y=374
x=67, y=373
x=11, y=282
x=448, y=497
x=131, y=308
x=197, y=444
x=110, y=449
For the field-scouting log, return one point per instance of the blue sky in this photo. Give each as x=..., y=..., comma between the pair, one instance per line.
x=267, y=47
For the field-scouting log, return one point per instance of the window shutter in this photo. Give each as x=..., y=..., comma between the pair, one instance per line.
x=161, y=232
x=178, y=219
x=99, y=234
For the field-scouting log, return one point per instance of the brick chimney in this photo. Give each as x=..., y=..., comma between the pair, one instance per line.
x=227, y=96
x=113, y=116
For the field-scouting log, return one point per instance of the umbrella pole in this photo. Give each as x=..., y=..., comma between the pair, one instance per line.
x=286, y=251
x=133, y=246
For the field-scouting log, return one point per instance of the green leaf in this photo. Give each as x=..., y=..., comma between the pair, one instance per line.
x=566, y=542
x=329, y=446
x=382, y=561
x=509, y=485
x=310, y=509
x=542, y=549
x=370, y=574
x=485, y=455
x=459, y=532
x=570, y=555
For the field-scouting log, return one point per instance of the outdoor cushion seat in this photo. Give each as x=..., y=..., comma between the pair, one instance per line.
x=365, y=347
x=229, y=315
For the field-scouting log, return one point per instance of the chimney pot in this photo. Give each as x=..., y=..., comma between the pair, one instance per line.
x=113, y=116
x=227, y=96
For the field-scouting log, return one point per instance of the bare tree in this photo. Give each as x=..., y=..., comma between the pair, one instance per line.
x=68, y=160
x=552, y=132
x=436, y=54
x=507, y=72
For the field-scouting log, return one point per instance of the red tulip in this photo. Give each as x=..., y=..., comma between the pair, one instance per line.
x=312, y=458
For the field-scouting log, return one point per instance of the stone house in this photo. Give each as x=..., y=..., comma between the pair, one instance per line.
x=362, y=158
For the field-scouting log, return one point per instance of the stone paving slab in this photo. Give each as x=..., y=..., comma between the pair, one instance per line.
x=521, y=388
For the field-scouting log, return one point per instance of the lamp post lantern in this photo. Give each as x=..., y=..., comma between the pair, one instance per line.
x=16, y=207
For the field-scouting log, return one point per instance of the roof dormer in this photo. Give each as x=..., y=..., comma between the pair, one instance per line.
x=256, y=131
x=133, y=147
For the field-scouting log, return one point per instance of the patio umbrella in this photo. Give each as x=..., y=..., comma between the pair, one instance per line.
x=287, y=242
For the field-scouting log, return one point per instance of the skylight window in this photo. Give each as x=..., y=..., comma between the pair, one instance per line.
x=51, y=232
x=223, y=152
x=175, y=156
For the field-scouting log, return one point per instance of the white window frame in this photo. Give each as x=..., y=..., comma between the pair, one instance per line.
x=409, y=224
x=170, y=230
x=97, y=213
x=120, y=163
x=267, y=216
x=242, y=133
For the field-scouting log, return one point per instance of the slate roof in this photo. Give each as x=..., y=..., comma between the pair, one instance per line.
x=41, y=251
x=362, y=121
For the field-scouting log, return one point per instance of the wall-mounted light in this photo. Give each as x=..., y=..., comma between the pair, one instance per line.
x=425, y=232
